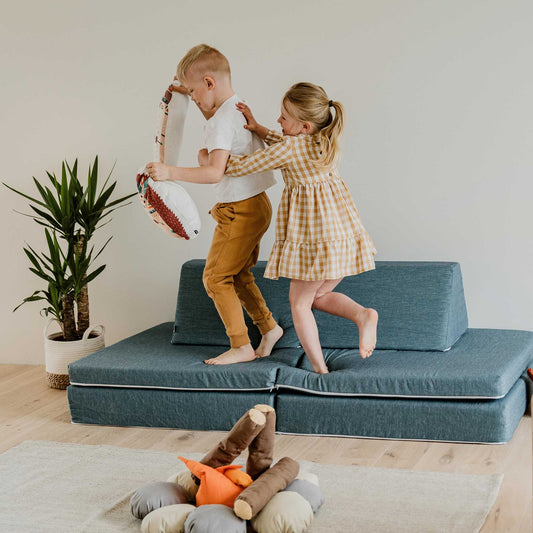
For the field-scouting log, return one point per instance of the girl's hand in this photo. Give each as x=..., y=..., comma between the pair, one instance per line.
x=251, y=122
x=203, y=157
x=158, y=171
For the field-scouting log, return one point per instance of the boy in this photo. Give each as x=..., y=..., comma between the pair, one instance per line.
x=242, y=211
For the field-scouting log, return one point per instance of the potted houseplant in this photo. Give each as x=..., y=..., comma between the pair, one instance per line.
x=70, y=214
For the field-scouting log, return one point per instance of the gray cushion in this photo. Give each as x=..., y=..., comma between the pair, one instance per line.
x=309, y=491
x=214, y=519
x=421, y=307
x=485, y=363
x=155, y=495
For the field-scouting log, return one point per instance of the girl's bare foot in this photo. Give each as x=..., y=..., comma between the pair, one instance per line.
x=242, y=354
x=268, y=341
x=367, y=322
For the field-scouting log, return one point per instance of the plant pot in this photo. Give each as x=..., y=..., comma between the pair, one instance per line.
x=58, y=353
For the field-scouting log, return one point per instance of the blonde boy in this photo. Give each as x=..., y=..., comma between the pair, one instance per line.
x=242, y=212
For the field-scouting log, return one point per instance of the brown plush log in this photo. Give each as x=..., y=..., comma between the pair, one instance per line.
x=252, y=499
x=237, y=440
x=261, y=449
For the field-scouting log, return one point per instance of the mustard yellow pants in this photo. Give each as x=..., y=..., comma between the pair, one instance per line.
x=234, y=251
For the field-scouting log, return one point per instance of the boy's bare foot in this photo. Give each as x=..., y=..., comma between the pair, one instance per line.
x=367, y=322
x=242, y=354
x=268, y=341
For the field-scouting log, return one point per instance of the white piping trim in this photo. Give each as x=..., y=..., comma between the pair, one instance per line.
x=110, y=386
x=291, y=387
x=378, y=395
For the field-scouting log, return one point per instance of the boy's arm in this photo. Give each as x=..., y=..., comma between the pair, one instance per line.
x=212, y=172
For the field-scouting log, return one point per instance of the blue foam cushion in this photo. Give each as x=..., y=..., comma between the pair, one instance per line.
x=488, y=421
x=421, y=307
x=164, y=408
x=452, y=420
x=197, y=320
x=484, y=363
x=149, y=360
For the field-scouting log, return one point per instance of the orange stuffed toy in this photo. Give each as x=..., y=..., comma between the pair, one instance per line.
x=219, y=485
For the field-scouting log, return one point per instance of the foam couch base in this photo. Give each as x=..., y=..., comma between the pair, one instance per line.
x=482, y=421
x=205, y=410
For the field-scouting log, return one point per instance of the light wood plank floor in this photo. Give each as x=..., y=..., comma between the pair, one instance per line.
x=31, y=410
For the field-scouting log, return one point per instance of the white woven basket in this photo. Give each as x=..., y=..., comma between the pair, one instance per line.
x=59, y=354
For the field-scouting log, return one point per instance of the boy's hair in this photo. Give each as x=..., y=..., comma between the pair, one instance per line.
x=204, y=59
x=310, y=103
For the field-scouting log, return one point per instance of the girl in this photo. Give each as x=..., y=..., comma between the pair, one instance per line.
x=319, y=235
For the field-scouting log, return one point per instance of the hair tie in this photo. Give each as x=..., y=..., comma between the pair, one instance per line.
x=330, y=103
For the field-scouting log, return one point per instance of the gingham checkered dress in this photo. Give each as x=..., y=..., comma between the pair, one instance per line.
x=319, y=234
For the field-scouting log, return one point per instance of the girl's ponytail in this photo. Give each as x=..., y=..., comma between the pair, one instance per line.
x=310, y=103
x=330, y=136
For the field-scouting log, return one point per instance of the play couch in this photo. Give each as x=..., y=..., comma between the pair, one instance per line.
x=430, y=378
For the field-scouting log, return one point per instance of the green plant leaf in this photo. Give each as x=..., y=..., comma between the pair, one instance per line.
x=25, y=195
x=42, y=275
x=103, y=247
x=93, y=274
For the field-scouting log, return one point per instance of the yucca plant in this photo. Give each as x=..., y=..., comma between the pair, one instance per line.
x=70, y=215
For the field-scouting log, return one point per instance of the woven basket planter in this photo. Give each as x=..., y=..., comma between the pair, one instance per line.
x=58, y=353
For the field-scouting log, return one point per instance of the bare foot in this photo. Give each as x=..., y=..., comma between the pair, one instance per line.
x=367, y=322
x=242, y=354
x=268, y=341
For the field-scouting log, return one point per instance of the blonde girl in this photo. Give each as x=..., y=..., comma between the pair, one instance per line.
x=319, y=235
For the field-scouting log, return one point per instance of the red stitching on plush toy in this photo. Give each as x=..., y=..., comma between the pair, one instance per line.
x=166, y=214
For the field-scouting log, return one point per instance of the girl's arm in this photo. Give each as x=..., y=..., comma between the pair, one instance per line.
x=252, y=125
x=278, y=155
x=273, y=137
x=211, y=172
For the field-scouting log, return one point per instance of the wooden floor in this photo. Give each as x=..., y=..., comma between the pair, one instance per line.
x=29, y=410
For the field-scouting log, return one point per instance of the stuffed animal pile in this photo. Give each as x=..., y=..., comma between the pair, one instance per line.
x=215, y=496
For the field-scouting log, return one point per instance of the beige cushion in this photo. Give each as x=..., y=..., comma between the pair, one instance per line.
x=286, y=512
x=168, y=519
x=186, y=482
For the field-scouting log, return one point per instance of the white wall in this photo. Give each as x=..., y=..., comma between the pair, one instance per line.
x=438, y=148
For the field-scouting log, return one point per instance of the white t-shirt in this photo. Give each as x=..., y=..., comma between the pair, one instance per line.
x=225, y=131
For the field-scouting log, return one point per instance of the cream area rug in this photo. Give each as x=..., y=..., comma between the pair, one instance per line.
x=57, y=487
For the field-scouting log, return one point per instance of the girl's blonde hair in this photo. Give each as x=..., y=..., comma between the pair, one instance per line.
x=310, y=103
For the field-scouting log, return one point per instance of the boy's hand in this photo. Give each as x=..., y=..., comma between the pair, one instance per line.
x=203, y=157
x=158, y=171
x=179, y=88
x=251, y=122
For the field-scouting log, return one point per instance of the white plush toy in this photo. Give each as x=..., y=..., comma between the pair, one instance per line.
x=167, y=203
